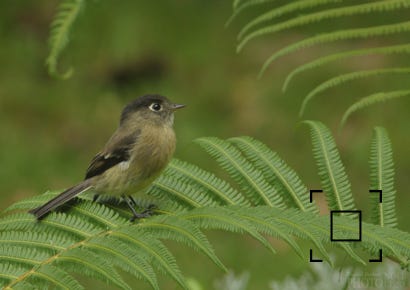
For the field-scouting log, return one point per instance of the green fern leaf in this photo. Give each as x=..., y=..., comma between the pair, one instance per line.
x=371, y=100
x=22, y=255
x=167, y=187
x=125, y=257
x=67, y=13
x=205, y=181
x=170, y=227
x=87, y=263
x=225, y=219
x=265, y=224
x=327, y=14
x=242, y=171
x=375, y=238
x=344, y=78
x=160, y=255
x=395, y=49
x=28, y=286
x=87, y=234
x=56, y=276
x=382, y=178
x=42, y=240
x=344, y=34
x=238, y=8
x=331, y=171
x=9, y=272
x=276, y=172
x=281, y=11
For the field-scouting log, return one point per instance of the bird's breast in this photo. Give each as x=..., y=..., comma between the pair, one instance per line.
x=148, y=157
x=153, y=149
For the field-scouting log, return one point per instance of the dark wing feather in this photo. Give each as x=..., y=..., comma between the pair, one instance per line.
x=117, y=150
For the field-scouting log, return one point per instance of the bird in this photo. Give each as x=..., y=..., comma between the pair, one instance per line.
x=134, y=156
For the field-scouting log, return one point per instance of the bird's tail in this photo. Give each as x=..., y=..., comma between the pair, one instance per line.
x=60, y=199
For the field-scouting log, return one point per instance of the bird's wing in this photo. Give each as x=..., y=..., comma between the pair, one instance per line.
x=115, y=151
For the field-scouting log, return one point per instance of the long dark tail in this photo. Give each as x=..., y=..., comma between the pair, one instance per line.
x=60, y=199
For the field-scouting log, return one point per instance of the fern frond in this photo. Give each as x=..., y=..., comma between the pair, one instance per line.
x=266, y=226
x=32, y=201
x=225, y=219
x=9, y=272
x=283, y=10
x=371, y=100
x=356, y=33
x=394, y=243
x=56, y=276
x=124, y=257
x=238, y=8
x=152, y=247
x=99, y=239
x=242, y=171
x=386, y=50
x=276, y=172
x=90, y=264
x=46, y=275
x=382, y=178
x=332, y=174
x=22, y=255
x=60, y=28
x=326, y=14
x=167, y=187
x=375, y=238
x=170, y=227
x=49, y=275
x=96, y=240
x=205, y=181
x=43, y=240
x=344, y=78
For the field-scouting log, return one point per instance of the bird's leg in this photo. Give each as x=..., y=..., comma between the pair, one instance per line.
x=132, y=200
x=146, y=213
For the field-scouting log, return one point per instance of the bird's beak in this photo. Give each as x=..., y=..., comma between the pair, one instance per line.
x=177, y=106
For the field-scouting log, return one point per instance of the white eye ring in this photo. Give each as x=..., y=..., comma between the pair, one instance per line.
x=155, y=107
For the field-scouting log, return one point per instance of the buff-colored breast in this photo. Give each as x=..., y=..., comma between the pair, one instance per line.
x=150, y=154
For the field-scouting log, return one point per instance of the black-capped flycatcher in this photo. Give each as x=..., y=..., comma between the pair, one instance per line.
x=133, y=157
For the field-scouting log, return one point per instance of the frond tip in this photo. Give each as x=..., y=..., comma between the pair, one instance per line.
x=60, y=28
x=344, y=78
x=372, y=100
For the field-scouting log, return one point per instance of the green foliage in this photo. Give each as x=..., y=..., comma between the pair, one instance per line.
x=371, y=100
x=276, y=18
x=321, y=61
x=271, y=200
x=382, y=177
x=335, y=182
x=60, y=28
x=344, y=78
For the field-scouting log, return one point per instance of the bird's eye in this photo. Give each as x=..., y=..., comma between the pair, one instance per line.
x=155, y=107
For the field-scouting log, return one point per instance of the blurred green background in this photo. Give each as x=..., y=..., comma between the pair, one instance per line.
x=50, y=129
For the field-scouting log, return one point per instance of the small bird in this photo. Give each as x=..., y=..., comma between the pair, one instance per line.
x=133, y=157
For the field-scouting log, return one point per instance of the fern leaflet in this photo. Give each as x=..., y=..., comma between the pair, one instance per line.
x=67, y=13
x=382, y=178
x=331, y=171
x=371, y=100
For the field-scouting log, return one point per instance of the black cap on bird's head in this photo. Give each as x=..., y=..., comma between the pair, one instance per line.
x=153, y=107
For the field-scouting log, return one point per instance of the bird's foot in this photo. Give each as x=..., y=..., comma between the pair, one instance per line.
x=149, y=211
